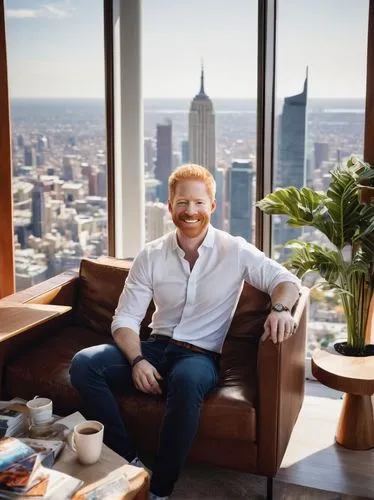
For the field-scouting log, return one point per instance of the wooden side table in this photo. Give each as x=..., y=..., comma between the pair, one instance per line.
x=16, y=318
x=355, y=377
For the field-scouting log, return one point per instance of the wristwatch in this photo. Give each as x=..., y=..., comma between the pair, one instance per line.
x=279, y=308
x=136, y=360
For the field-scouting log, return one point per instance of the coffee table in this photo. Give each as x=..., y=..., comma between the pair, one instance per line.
x=109, y=461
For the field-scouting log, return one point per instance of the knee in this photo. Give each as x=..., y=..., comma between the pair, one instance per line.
x=188, y=387
x=80, y=368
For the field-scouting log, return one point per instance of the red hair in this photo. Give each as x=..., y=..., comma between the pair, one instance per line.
x=195, y=172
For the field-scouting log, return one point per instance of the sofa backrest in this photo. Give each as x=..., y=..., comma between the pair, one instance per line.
x=101, y=283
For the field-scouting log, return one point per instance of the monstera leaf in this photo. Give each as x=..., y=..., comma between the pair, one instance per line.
x=349, y=227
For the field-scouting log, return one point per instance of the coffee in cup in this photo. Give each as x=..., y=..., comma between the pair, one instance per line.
x=87, y=441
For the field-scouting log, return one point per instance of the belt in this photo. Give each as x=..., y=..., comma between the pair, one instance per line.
x=186, y=345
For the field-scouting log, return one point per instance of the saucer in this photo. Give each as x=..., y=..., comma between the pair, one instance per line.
x=48, y=430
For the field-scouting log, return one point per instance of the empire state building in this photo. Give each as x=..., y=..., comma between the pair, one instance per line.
x=201, y=130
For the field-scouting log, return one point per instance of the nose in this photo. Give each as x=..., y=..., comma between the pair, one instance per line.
x=190, y=208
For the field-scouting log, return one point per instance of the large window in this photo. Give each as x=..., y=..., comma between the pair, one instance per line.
x=321, y=83
x=200, y=85
x=56, y=86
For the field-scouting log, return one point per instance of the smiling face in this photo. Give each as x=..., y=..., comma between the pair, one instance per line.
x=191, y=207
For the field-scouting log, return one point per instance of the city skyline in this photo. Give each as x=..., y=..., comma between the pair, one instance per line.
x=224, y=34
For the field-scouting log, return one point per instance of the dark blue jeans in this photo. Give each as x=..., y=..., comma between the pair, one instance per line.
x=187, y=378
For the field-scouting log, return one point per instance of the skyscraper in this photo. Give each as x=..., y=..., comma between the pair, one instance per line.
x=184, y=150
x=164, y=158
x=291, y=164
x=37, y=210
x=201, y=130
x=218, y=214
x=321, y=153
x=29, y=156
x=148, y=154
x=241, y=181
x=290, y=169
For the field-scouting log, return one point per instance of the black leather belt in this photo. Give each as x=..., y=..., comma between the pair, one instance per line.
x=186, y=345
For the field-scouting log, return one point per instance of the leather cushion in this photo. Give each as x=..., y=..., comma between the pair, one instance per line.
x=100, y=285
x=44, y=369
x=250, y=314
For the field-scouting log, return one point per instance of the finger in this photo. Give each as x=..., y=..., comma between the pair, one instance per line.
x=137, y=383
x=266, y=333
x=153, y=384
x=288, y=329
x=156, y=374
x=274, y=331
x=144, y=384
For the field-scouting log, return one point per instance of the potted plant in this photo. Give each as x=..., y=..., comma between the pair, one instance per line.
x=345, y=264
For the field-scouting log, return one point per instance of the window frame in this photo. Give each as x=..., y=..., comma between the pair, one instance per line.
x=7, y=269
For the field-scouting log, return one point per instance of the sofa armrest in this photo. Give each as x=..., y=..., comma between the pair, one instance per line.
x=59, y=290
x=281, y=381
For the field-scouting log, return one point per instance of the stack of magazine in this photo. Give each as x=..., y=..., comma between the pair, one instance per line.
x=22, y=471
x=12, y=419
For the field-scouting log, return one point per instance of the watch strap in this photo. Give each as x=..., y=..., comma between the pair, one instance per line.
x=136, y=360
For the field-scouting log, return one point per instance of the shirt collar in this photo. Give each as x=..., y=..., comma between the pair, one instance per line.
x=208, y=241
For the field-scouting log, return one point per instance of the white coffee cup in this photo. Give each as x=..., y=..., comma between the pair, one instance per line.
x=40, y=410
x=87, y=441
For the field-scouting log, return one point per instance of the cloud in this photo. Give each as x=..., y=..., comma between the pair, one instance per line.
x=46, y=11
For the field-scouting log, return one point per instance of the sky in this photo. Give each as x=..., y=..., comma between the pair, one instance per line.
x=55, y=47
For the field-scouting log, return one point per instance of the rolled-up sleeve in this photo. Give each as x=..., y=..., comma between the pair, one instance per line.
x=262, y=272
x=135, y=297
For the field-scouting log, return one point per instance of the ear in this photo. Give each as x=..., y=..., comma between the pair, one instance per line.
x=169, y=206
x=214, y=205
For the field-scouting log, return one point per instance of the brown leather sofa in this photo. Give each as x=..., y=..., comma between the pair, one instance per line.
x=245, y=423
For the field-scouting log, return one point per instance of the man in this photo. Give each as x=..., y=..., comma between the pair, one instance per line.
x=194, y=276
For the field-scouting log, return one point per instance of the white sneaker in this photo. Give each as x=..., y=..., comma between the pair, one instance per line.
x=138, y=463
x=152, y=496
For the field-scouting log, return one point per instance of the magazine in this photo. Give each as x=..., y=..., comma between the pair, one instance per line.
x=12, y=450
x=60, y=485
x=114, y=486
x=54, y=485
x=20, y=476
x=48, y=450
x=12, y=419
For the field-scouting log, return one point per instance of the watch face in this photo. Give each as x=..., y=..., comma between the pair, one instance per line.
x=279, y=307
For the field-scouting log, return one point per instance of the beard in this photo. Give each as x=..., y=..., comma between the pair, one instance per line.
x=191, y=230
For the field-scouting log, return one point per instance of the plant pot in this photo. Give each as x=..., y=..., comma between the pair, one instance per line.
x=347, y=350
x=366, y=194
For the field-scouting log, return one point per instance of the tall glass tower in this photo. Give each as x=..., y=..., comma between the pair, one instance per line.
x=164, y=158
x=290, y=167
x=241, y=184
x=291, y=163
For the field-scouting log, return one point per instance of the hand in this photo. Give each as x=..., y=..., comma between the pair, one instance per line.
x=278, y=326
x=145, y=377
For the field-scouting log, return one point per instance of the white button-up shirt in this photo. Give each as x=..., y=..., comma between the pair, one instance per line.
x=197, y=305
